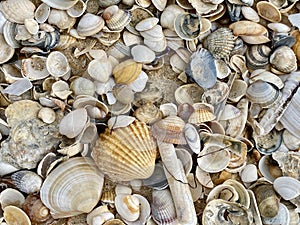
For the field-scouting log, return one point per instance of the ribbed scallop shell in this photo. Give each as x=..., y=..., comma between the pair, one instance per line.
x=72, y=188
x=170, y=130
x=257, y=56
x=163, y=209
x=284, y=59
x=202, y=113
x=116, y=20
x=262, y=93
x=17, y=11
x=126, y=153
x=220, y=43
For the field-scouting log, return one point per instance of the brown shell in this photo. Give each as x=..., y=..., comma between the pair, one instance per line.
x=35, y=209
x=203, y=113
x=127, y=72
x=268, y=11
x=126, y=153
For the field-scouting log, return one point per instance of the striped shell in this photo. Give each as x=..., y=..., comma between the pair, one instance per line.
x=187, y=26
x=220, y=43
x=116, y=19
x=257, y=56
x=202, y=113
x=27, y=181
x=284, y=60
x=126, y=153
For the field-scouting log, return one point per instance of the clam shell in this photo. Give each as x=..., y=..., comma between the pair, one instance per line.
x=153, y=34
x=4, y=47
x=127, y=72
x=116, y=19
x=163, y=209
x=187, y=26
x=188, y=93
x=100, y=70
x=57, y=64
x=286, y=64
x=250, y=14
x=114, y=222
x=169, y=14
x=60, y=89
x=72, y=188
x=27, y=181
x=249, y=173
x=238, y=90
x=159, y=4
x=58, y=4
x=244, y=198
x=223, y=191
x=34, y=68
x=11, y=197
x=32, y=26
x=123, y=93
x=267, y=77
x=61, y=19
x=100, y=214
x=78, y=9
x=257, y=56
x=170, y=130
x=121, y=161
x=287, y=187
x=140, y=82
x=148, y=113
x=142, y=54
x=42, y=13
x=17, y=11
x=192, y=138
x=146, y=24
x=90, y=24
x=283, y=216
x=15, y=215
x=220, y=43
x=47, y=115
x=202, y=68
x=157, y=180
x=250, y=28
x=268, y=11
x=82, y=86
x=269, y=143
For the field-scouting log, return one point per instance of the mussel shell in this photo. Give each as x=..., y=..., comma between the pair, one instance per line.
x=202, y=68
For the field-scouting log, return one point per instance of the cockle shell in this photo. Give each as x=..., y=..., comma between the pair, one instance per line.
x=202, y=113
x=116, y=19
x=27, y=181
x=72, y=188
x=268, y=11
x=202, y=68
x=284, y=60
x=90, y=24
x=58, y=4
x=220, y=43
x=15, y=215
x=170, y=130
x=126, y=153
x=257, y=56
x=17, y=11
x=127, y=72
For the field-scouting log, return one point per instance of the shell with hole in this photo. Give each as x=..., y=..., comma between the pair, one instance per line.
x=126, y=153
x=72, y=188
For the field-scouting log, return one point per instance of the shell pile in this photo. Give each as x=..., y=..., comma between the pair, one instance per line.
x=145, y=112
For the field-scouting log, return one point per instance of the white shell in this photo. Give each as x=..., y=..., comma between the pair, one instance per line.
x=34, y=68
x=142, y=54
x=4, y=47
x=59, y=4
x=90, y=24
x=128, y=206
x=249, y=173
x=57, y=64
x=78, y=9
x=99, y=215
x=15, y=215
x=47, y=115
x=11, y=197
x=287, y=187
x=42, y=13
x=192, y=138
x=146, y=24
x=140, y=82
x=100, y=70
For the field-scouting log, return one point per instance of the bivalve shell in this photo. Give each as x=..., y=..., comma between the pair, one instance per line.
x=202, y=113
x=72, y=188
x=57, y=64
x=89, y=25
x=246, y=28
x=27, y=181
x=100, y=69
x=42, y=13
x=4, y=47
x=257, y=56
x=58, y=4
x=287, y=187
x=268, y=11
x=14, y=215
x=188, y=26
x=127, y=72
x=284, y=60
x=126, y=153
x=142, y=54
x=116, y=19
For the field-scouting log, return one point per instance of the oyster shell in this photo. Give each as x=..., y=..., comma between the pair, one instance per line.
x=9, y=51
x=121, y=161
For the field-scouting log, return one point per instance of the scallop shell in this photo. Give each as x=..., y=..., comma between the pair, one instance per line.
x=72, y=188
x=163, y=209
x=220, y=43
x=15, y=215
x=287, y=187
x=202, y=68
x=27, y=181
x=262, y=93
x=127, y=72
x=116, y=19
x=124, y=162
x=202, y=113
x=59, y=4
x=257, y=56
x=284, y=60
x=188, y=26
x=90, y=24
x=17, y=11
x=268, y=11
x=170, y=130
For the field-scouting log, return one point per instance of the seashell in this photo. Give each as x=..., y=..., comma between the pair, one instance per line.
x=202, y=113
x=268, y=143
x=60, y=89
x=42, y=13
x=290, y=141
x=108, y=197
x=244, y=198
x=148, y=113
x=19, y=87
x=187, y=26
x=204, y=178
x=279, y=39
x=169, y=14
x=220, y=43
x=283, y=216
x=262, y=93
x=17, y=11
x=11, y=197
x=47, y=115
x=35, y=209
x=269, y=168
x=184, y=4
x=157, y=180
x=27, y=181
x=267, y=201
x=159, y=4
x=123, y=93
x=250, y=14
x=140, y=82
x=131, y=39
x=112, y=146
x=82, y=86
x=163, y=209
x=79, y=189
x=9, y=33
x=255, y=40
x=61, y=19
x=142, y=54
x=257, y=56
x=119, y=121
x=15, y=215
x=229, y=112
x=249, y=173
x=57, y=64
x=188, y=93
x=143, y=3
x=34, y=68
x=68, y=127
x=90, y=24
x=286, y=64
x=177, y=63
x=203, y=7
x=127, y=206
x=146, y=24
x=116, y=19
x=267, y=77
x=268, y=11
x=168, y=109
x=185, y=158
x=244, y=28
x=100, y=70
x=118, y=108
x=213, y=158
x=169, y=130
x=137, y=14
x=7, y=49
x=192, y=138
x=58, y=4
x=114, y=222
x=202, y=68
x=32, y=26
x=238, y=90
x=99, y=215
x=279, y=27
x=287, y=187
x=216, y=211
x=78, y=9
x=127, y=72
x=223, y=191
x=153, y=34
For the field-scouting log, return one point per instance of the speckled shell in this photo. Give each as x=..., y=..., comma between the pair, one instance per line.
x=284, y=60
x=116, y=19
x=257, y=56
x=170, y=130
x=202, y=68
x=187, y=26
x=220, y=43
x=17, y=11
x=126, y=153
x=72, y=188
